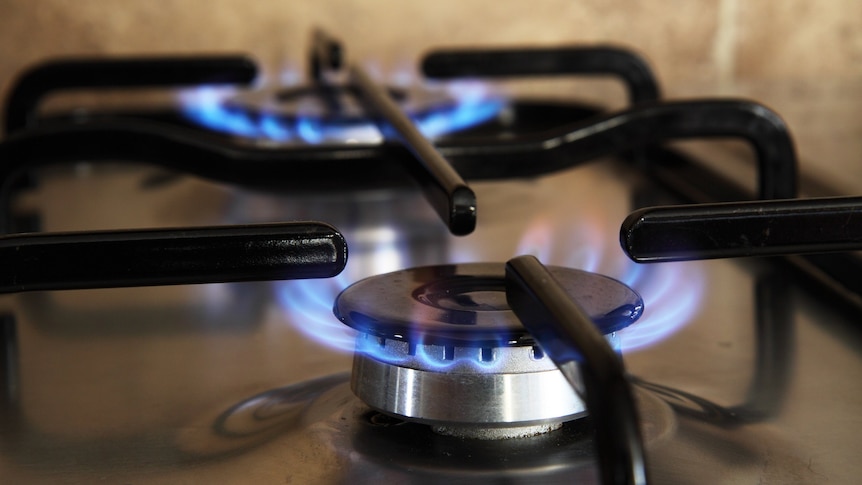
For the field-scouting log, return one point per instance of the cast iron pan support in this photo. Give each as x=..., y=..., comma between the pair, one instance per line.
x=326, y=54
x=445, y=190
x=58, y=75
x=316, y=168
x=32, y=86
x=570, y=338
x=109, y=259
x=164, y=256
x=739, y=229
x=630, y=67
x=448, y=193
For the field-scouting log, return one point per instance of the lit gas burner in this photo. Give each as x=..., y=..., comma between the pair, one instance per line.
x=332, y=114
x=439, y=345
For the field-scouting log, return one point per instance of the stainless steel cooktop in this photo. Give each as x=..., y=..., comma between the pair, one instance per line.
x=231, y=383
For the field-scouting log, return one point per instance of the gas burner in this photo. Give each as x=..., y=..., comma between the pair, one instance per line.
x=446, y=350
x=333, y=114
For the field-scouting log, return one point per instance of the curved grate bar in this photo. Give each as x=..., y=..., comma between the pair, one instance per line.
x=629, y=66
x=63, y=74
x=322, y=167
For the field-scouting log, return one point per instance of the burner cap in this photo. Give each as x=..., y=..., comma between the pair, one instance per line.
x=465, y=304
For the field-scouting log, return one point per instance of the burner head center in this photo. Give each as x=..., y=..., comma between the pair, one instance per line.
x=439, y=345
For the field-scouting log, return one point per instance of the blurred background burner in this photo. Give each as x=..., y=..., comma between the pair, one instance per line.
x=439, y=345
x=331, y=114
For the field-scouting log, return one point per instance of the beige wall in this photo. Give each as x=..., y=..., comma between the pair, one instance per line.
x=803, y=58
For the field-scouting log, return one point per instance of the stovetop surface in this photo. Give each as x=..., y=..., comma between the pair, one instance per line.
x=134, y=385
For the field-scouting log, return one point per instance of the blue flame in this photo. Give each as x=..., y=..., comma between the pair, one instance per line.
x=584, y=247
x=309, y=309
x=209, y=107
x=430, y=357
x=308, y=303
x=205, y=106
x=671, y=291
x=473, y=107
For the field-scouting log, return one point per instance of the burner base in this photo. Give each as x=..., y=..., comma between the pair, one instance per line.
x=514, y=394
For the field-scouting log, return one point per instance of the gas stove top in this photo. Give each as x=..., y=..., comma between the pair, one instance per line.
x=461, y=358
